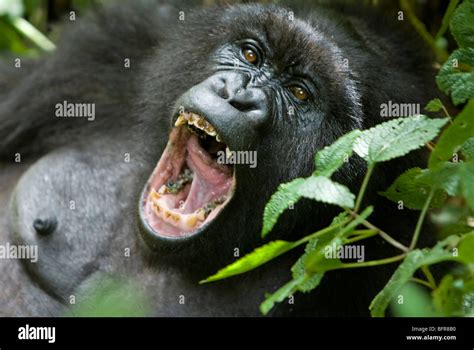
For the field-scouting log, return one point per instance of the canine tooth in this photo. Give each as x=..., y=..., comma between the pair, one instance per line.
x=218, y=138
x=180, y=121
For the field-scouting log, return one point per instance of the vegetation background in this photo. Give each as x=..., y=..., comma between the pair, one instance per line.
x=443, y=192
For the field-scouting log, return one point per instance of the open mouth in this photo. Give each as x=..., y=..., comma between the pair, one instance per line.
x=189, y=186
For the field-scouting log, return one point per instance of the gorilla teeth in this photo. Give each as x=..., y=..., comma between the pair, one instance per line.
x=180, y=121
x=198, y=122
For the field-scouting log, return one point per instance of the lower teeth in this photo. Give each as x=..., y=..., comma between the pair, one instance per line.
x=173, y=187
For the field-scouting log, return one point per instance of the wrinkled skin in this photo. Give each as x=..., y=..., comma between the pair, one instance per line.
x=192, y=63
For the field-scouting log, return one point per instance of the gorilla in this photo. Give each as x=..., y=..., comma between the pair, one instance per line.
x=109, y=151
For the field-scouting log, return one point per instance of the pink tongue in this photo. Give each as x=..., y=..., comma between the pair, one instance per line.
x=209, y=182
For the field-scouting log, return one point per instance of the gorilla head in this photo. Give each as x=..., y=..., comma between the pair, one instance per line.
x=264, y=82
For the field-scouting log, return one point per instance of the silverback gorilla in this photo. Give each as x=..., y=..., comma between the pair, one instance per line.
x=108, y=151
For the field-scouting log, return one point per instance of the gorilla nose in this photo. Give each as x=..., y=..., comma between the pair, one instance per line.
x=235, y=89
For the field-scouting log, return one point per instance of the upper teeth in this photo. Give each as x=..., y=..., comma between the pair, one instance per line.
x=199, y=122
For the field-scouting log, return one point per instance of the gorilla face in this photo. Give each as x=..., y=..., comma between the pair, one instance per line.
x=275, y=86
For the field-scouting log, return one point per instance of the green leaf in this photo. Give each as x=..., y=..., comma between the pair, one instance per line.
x=396, y=138
x=413, y=261
x=280, y=295
x=451, y=140
x=298, y=270
x=317, y=260
x=413, y=192
x=434, y=105
x=280, y=201
x=416, y=302
x=324, y=190
x=461, y=24
x=455, y=178
x=456, y=76
x=253, y=260
x=448, y=297
x=331, y=158
x=467, y=181
x=466, y=249
x=445, y=176
x=302, y=281
x=319, y=188
x=468, y=149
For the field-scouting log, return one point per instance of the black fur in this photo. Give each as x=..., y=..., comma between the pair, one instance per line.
x=83, y=161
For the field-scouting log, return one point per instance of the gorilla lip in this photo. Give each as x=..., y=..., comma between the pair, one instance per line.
x=188, y=187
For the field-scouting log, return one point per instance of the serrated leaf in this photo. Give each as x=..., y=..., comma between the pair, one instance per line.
x=451, y=140
x=446, y=176
x=434, y=105
x=412, y=262
x=325, y=190
x=285, y=195
x=298, y=270
x=280, y=295
x=396, y=138
x=331, y=158
x=319, y=188
x=461, y=25
x=413, y=192
x=252, y=260
x=455, y=178
x=457, y=82
x=468, y=149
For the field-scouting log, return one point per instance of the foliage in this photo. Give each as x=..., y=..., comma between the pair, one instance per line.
x=447, y=179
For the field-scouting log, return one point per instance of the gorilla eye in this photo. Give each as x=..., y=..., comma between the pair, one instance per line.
x=299, y=92
x=250, y=55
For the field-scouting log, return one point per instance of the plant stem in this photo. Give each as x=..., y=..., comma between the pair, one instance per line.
x=447, y=18
x=33, y=34
x=382, y=234
x=429, y=276
x=441, y=55
x=320, y=232
x=447, y=114
x=420, y=281
x=363, y=187
x=374, y=262
x=361, y=237
x=419, y=224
